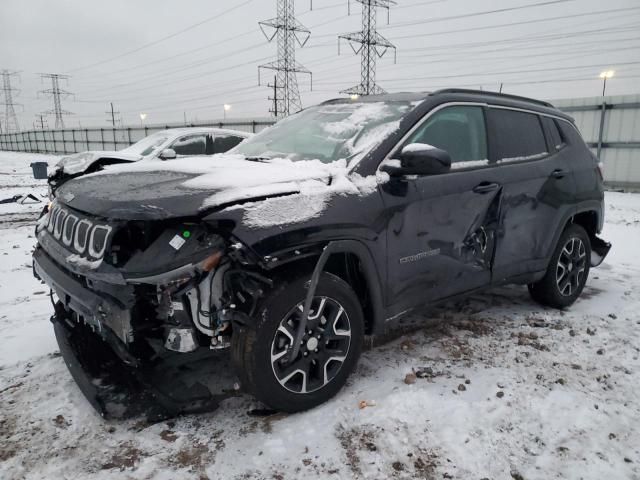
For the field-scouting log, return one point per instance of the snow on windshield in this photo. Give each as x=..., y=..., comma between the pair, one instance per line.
x=148, y=144
x=328, y=133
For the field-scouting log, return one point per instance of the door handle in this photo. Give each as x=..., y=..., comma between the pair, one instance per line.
x=558, y=173
x=486, y=187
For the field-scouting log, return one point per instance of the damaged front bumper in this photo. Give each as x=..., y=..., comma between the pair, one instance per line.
x=92, y=330
x=119, y=329
x=168, y=386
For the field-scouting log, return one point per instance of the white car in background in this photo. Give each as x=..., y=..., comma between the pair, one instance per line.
x=163, y=145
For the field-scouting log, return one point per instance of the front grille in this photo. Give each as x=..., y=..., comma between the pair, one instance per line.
x=85, y=236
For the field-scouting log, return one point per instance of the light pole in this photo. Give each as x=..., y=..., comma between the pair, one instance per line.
x=143, y=116
x=604, y=76
x=225, y=108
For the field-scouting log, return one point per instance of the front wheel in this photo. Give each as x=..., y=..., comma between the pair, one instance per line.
x=329, y=349
x=568, y=270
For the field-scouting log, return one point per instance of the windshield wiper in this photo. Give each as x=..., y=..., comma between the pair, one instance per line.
x=257, y=159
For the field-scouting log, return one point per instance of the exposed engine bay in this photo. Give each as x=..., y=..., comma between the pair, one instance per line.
x=177, y=291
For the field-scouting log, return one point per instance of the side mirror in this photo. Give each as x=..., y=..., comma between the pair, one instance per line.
x=168, y=154
x=419, y=159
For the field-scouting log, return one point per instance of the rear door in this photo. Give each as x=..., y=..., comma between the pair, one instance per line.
x=194, y=144
x=223, y=143
x=441, y=228
x=538, y=188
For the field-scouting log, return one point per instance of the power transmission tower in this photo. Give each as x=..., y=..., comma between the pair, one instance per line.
x=372, y=46
x=288, y=31
x=113, y=116
x=10, y=118
x=57, y=94
x=41, y=122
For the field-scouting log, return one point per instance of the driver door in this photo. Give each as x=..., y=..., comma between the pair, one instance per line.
x=442, y=228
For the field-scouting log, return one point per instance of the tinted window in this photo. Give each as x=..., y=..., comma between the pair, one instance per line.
x=460, y=131
x=225, y=143
x=554, y=140
x=191, y=145
x=515, y=135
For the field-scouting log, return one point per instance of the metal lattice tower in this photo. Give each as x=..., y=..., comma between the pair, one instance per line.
x=57, y=94
x=288, y=31
x=371, y=46
x=10, y=123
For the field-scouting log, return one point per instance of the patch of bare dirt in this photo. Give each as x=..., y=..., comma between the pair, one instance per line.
x=127, y=458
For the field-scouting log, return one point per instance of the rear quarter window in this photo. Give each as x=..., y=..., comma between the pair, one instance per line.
x=225, y=143
x=554, y=138
x=515, y=136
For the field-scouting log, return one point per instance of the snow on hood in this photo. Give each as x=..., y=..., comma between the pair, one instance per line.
x=307, y=184
x=310, y=200
x=79, y=162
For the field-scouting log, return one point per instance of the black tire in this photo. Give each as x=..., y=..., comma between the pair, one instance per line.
x=254, y=347
x=567, y=272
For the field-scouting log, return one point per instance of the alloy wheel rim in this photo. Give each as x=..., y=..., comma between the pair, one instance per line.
x=323, y=350
x=571, y=266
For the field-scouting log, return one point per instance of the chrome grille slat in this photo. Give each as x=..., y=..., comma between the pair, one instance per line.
x=73, y=220
x=81, y=235
x=80, y=248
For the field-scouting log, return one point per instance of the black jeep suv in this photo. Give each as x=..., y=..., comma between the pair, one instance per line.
x=288, y=250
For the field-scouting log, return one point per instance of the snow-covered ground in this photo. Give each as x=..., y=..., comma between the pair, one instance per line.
x=505, y=389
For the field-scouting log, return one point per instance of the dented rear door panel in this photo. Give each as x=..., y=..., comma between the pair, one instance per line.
x=535, y=205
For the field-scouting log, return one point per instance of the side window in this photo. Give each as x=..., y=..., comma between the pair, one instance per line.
x=516, y=136
x=225, y=143
x=554, y=139
x=460, y=131
x=190, y=145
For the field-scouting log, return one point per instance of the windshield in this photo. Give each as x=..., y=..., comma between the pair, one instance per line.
x=148, y=144
x=327, y=132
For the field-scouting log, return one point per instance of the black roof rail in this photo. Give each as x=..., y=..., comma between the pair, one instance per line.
x=493, y=94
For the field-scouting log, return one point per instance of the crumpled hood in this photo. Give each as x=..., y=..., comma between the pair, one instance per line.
x=79, y=162
x=187, y=187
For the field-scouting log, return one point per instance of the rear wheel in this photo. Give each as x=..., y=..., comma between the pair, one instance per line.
x=568, y=270
x=329, y=348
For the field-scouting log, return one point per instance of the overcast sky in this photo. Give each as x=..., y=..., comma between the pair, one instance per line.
x=549, y=51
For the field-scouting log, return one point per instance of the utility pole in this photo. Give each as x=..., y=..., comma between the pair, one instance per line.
x=371, y=46
x=288, y=31
x=57, y=94
x=114, y=117
x=274, y=109
x=41, y=122
x=10, y=118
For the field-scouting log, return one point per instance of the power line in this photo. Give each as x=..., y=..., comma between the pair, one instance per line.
x=476, y=14
x=527, y=38
x=372, y=46
x=127, y=70
x=155, y=42
x=514, y=24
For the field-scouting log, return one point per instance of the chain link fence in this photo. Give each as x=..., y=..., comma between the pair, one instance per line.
x=73, y=140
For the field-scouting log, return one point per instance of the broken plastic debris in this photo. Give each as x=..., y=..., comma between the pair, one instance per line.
x=366, y=403
x=410, y=378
